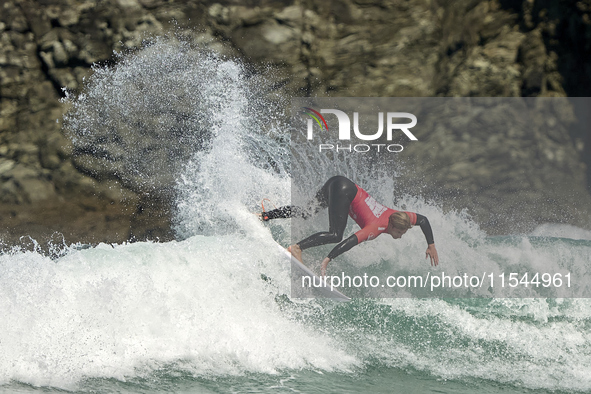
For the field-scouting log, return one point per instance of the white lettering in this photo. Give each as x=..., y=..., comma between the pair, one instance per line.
x=376, y=208
x=368, y=137
x=344, y=123
x=361, y=148
x=401, y=126
x=389, y=147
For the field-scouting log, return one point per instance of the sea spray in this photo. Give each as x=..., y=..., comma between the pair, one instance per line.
x=142, y=119
x=234, y=173
x=183, y=123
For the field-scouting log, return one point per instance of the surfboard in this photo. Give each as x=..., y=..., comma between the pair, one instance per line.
x=312, y=285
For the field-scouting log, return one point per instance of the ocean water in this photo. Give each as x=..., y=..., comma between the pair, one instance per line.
x=212, y=312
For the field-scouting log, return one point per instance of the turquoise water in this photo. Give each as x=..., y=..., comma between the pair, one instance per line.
x=198, y=316
x=384, y=380
x=212, y=312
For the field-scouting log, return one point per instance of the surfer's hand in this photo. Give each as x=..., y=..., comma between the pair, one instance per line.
x=323, y=267
x=262, y=217
x=432, y=253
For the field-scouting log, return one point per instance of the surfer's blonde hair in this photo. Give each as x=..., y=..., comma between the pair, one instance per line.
x=399, y=220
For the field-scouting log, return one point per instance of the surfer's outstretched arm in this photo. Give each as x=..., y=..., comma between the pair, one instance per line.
x=288, y=211
x=428, y=232
x=425, y=227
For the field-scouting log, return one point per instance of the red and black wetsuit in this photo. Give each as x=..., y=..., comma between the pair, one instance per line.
x=344, y=198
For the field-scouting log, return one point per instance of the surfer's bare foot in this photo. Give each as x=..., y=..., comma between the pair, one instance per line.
x=323, y=266
x=296, y=252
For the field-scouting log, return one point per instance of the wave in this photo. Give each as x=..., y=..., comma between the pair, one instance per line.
x=215, y=306
x=217, y=303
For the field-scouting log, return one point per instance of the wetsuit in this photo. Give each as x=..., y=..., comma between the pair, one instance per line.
x=344, y=198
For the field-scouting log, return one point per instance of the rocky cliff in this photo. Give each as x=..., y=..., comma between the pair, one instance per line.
x=412, y=48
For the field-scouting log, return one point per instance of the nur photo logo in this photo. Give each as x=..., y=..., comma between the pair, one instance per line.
x=394, y=123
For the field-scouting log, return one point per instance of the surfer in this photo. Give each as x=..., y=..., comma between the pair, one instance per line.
x=344, y=198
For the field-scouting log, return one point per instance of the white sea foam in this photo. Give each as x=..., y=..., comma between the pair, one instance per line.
x=507, y=347
x=115, y=312
x=561, y=231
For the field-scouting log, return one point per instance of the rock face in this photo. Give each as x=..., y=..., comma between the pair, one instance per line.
x=415, y=48
x=511, y=162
